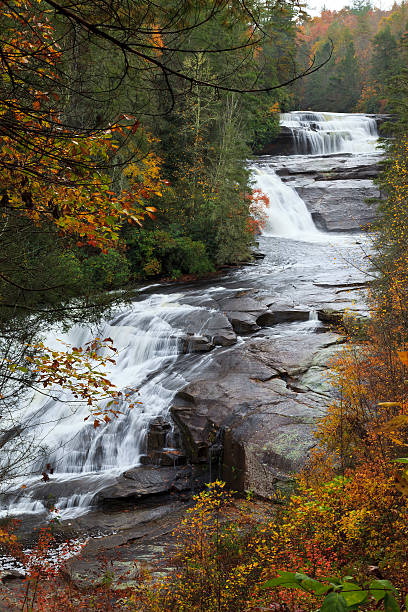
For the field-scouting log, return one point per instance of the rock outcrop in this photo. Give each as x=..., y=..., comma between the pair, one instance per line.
x=263, y=399
x=214, y=327
x=281, y=145
x=340, y=205
x=151, y=481
x=242, y=312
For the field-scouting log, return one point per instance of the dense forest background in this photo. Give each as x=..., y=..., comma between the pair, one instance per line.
x=370, y=52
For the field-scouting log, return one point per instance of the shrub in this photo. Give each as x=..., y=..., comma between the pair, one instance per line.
x=152, y=267
x=151, y=253
x=109, y=270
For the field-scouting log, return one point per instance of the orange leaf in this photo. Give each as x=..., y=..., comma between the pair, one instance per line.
x=403, y=357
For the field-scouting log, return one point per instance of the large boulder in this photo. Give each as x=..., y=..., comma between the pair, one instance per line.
x=273, y=316
x=214, y=327
x=144, y=482
x=242, y=312
x=193, y=343
x=252, y=396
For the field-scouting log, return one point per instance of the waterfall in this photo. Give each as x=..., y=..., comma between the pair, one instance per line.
x=287, y=215
x=325, y=133
x=148, y=338
x=149, y=335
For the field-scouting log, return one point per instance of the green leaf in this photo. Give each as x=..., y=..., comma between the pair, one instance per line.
x=334, y=602
x=390, y=603
x=378, y=588
x=314, y=586
x=299, y=576
x=401, y=460
x=353, y=594
x=333, y=580
x=288, y=579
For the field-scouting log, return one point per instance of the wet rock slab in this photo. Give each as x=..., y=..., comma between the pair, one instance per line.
x=151, y=481
x=340, y=206
x=258, y=398
x=128, y=540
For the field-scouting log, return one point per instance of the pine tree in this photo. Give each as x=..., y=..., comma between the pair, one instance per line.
x=384, y=60
x=346, y=80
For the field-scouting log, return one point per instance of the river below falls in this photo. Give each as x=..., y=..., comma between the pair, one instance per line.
x=172, y=336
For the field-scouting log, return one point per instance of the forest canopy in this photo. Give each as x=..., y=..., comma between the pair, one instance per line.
x=369, y=53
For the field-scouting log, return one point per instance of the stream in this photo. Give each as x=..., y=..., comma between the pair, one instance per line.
x=229, y=371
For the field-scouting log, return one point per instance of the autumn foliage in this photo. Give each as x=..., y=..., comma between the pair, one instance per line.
x=52, y=171
x=82, y=372
x=368, y=54
x=259, y=202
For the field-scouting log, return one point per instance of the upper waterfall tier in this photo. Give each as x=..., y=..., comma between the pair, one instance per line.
x=325, y=133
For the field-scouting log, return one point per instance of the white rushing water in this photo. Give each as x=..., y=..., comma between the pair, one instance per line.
x=326, y=133
x=287, y=214
x=148, y=339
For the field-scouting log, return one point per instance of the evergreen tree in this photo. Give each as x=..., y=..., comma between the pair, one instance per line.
x=345, y=81
x=317, y=85
x=384, y=59
x=361, y=6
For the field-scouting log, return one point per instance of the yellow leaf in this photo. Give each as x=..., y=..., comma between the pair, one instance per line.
x=402, y=484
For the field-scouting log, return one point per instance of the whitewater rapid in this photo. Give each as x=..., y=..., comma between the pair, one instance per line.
x=148, y=337
x=329, y=133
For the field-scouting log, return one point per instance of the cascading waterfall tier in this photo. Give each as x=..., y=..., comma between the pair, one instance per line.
x=148, y=339
x=287, y=215
x=327, y=133
x=317, y=134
